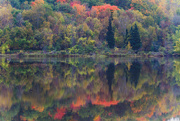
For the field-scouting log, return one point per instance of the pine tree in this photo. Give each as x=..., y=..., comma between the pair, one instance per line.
x=130, y=36
x=126, y=39
x=110, y=34
x=134, y=38
x=137, y=39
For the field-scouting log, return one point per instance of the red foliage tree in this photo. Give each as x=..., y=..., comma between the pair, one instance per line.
x=81, y=9
x=37, y=2
x=33, y=4
x=102, y=8
x=74, y=2
x=62, y=1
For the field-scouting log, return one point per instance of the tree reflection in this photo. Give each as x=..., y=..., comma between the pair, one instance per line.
x=135, y=72
x=80, y=89
x=110, y=76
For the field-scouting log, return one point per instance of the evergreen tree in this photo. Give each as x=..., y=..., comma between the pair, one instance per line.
x=126, y=39
x=134, y=38
x=137, y=39
x=110, y=76
x=130, y=36
x=110, y=34
x=134, y=72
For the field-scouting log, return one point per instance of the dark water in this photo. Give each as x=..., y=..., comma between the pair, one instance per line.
x=77, y=89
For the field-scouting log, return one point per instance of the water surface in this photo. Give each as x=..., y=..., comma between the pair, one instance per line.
x=89, y=89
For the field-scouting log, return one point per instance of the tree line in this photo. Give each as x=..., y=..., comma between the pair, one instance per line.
x=89, y=26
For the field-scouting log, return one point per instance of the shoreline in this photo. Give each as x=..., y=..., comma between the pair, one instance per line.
x=49, y=54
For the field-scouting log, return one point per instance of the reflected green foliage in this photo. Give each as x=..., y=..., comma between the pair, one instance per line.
x=135, y=72
x=88, y=89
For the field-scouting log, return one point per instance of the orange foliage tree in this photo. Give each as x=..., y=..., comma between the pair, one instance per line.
x=103, y=8
x=62, y=1
x=97, y=118
x=103, y=102
x=37, y=2
x=80, y=8
x=153, y=1
x=38, y=108
x=80, y=102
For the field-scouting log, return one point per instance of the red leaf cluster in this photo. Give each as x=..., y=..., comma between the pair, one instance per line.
x=104, y=103
x=37, y=2
x=37, y=108
x=33, y=4
x=62, y=1
x=78, y=104
x=74, y=2
x=97, y=118
x=81, y=9
x=104, y=7
x=60, y=113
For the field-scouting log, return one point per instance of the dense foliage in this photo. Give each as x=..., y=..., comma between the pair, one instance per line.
x=82, y=26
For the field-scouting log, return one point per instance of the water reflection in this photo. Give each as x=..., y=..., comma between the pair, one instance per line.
x=76, y=89
x=110, y=77
x=135, y=72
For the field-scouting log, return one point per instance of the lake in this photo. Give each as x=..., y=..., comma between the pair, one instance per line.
x=89, y=89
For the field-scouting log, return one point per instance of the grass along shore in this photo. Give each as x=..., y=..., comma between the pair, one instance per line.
x=63, y=53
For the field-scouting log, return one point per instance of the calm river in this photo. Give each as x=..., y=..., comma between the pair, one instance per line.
x=89, y=89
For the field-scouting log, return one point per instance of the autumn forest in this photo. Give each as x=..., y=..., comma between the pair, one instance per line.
x=89, y=60
x=90, y=26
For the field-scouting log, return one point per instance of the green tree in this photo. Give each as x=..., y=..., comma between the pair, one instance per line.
x=178, y=11
x=15, y=3
x=126, y=39
x=134, y=38
x=177, y=46
x=110, y=34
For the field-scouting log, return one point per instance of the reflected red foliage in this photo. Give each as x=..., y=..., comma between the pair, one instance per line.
x=78, y=104
x=110, y=113
x=60, y=113
x=141, y=119
x=97, y=118
x=104, y=103
x=98, y=101
x=22, y=118
x=50, y=114
x=151, y=112
x=37, y=108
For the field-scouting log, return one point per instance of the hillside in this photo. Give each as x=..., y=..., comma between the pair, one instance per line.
x=81, y=27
